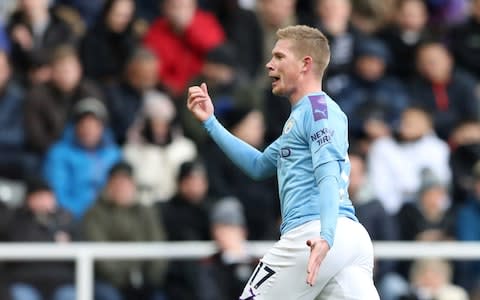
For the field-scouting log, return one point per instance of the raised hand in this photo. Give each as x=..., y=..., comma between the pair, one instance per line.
x=318, y=250
x=199, y=102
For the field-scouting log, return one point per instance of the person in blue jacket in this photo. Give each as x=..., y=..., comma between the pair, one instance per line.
x=77, y=166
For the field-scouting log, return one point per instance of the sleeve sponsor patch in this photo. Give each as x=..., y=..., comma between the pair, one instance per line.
x=319, y=107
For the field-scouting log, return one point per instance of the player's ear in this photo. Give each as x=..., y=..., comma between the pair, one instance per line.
x=307, y=63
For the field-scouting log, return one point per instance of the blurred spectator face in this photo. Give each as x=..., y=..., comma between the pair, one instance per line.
x=430, y=276
x=4, y=69
x=41, y=202
x=251, y=129
x=160, y=130
x=66, y=73
x=434, y=201
x=194, y=186
x=412, y=15
x=120, y=15
x=276, y=12
x=142, y=74
x=228, y=237
x=435, y=63
x=414, y=124
x=89, y=131
x=121, y=190
x=179, y=12
x=370, y=68
x=333, y=12
x=357, y=175
x=33, y=6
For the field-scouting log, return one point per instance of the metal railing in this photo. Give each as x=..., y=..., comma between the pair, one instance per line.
x=85, y=254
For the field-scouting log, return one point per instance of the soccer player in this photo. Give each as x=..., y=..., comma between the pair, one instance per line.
x=321, y=239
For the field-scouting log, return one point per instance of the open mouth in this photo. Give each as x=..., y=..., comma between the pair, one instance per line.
x=274, y=79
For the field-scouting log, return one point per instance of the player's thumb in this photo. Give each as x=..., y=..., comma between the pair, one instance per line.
x=204, y=88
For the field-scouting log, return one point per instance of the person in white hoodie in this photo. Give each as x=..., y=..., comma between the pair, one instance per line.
x=156, y=149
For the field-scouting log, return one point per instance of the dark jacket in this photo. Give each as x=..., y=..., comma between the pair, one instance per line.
x=104, y=53
x=107, y=222
x=11, y=117
x=47, y=111
x=184, y=221
x=463, y=102
x=221, y=280
x=123, y=104
x=24, y=226
x=465, y=46
x=57, y=33
x=259, y=198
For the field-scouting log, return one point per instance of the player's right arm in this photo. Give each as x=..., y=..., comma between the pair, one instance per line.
x=254, y=163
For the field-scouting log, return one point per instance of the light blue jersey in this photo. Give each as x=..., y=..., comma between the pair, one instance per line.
x=311, y=161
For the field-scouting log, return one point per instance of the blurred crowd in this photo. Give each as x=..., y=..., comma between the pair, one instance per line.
x=96, y=143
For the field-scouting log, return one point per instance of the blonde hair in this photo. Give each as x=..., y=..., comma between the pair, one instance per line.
x=309, y=42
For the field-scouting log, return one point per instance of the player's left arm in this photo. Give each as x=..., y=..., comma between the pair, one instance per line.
x=323, y=141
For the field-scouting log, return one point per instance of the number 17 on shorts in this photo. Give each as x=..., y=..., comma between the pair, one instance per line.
x=260, y=280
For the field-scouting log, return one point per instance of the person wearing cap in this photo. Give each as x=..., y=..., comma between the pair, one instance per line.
x=468, y=229
x=369, y=88
x=223, y=275
x=117, y=216
x=77, y=165
x=156, y=148
x=40, y=219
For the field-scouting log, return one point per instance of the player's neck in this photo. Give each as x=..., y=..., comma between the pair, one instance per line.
x=305, y=88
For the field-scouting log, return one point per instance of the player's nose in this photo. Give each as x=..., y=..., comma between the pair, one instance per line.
x=269, y=66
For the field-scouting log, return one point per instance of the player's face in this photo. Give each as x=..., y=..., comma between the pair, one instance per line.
x=284, y=68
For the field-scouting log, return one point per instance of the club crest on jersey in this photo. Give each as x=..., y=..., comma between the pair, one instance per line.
x=319, y=107
x=288, y=126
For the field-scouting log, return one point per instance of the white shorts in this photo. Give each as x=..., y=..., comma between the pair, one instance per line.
x=346, y=273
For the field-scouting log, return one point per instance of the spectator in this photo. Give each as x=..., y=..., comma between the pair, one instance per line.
x=107, y=45
x=428, y=218
x=244, y=33
x=35, y=28
x=448, y=94
x=408, y=30
x=41, y=220
x=465, y=144
x=257, y=197
x=117, y=216
x=462, y=42
x=180, y=39
x=333, y=19
x=468, y=229
x=39, y=71
x=422, y=146
x=224, y=275
x=125, y=99
x=157, y=148
x=394, y=176
x=78, y=164
x=186, y=214
x=370, y=89
x=432, y=279
x=186, y=219
x=15, y=162
x=48, y=107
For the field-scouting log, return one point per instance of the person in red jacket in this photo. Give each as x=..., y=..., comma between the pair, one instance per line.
x=181, y=38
